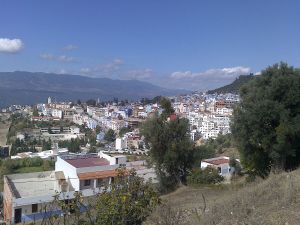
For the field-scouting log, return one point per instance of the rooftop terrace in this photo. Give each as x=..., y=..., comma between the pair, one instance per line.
x=32, y=184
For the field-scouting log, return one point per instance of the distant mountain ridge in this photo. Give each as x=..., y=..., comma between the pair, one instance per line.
x=29, y=88
x=234, y=87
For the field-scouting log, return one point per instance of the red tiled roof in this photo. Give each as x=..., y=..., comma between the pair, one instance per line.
x=87, y=162
x=217, y=161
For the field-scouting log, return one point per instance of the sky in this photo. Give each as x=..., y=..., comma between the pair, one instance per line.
x=192, y=44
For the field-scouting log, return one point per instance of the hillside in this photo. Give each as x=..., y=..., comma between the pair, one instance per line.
x=234, y=86
x=275, y=200
x=29, y=88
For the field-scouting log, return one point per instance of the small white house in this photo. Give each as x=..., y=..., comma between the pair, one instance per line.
x=220, y=163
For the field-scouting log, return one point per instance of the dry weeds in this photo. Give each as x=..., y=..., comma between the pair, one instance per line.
x=274, y=201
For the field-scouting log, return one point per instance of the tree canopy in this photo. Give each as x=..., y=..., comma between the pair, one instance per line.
x=110, y=135
x=128, y=201
x=266, y=124
x=171, y=148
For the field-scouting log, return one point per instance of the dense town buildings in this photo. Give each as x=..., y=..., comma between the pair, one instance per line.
x=208, y=115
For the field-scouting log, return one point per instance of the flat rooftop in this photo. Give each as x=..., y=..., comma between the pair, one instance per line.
x=87, y=161
x=32, y=184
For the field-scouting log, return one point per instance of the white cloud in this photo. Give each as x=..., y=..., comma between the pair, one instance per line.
x=70, y=47
x=223, y=73
x=10, y=45
x=112, y=66
x=64, y=58
x=257, y=73
x=61, y=58
x=62, y=71
x=139, y=74
x=103, y=70
x=47, y=56
x=85, y=70
x=208, y=79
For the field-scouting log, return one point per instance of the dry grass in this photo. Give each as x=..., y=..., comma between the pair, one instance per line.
x=180, y=207
x=273, y=201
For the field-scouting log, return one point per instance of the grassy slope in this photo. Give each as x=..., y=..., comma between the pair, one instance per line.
x=4, y=126
x=275, y=200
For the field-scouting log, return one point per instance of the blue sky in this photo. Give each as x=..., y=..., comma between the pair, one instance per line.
x=177, y=44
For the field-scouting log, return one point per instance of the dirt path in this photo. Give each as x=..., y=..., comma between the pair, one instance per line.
x=4, y=126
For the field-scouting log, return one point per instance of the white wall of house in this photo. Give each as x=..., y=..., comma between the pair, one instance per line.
x=69, y=171
x=121, y=143
x=113, y=159
x=224, y=169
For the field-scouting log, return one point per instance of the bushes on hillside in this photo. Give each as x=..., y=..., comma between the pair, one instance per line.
x=208, y=175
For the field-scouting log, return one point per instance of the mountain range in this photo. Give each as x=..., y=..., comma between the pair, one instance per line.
x=30, y=88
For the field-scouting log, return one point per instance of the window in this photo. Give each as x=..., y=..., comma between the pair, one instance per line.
x=34, y=208
x=87, y=182
x=102, y=182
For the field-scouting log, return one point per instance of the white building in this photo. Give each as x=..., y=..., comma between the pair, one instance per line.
x=56, y=113
x=121, y=143
x=220, y=163
x=26, y=195
x=48, y=154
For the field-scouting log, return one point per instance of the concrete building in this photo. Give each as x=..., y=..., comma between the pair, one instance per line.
x=121, y=143
x=27, y=196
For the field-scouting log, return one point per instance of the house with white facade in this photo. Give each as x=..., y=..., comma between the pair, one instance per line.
x=26, y=196
x=220, y=163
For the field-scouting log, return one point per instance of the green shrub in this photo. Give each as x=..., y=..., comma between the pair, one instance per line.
x=208, y=175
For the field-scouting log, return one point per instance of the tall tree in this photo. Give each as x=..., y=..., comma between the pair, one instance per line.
x=266, y=124
x=110, y=135
x=167, y=106
x=171, y=148
x=35, y=112
x=91, y=102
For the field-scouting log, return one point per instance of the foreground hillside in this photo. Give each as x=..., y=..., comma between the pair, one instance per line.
x=29, y=88
x=275, y=200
